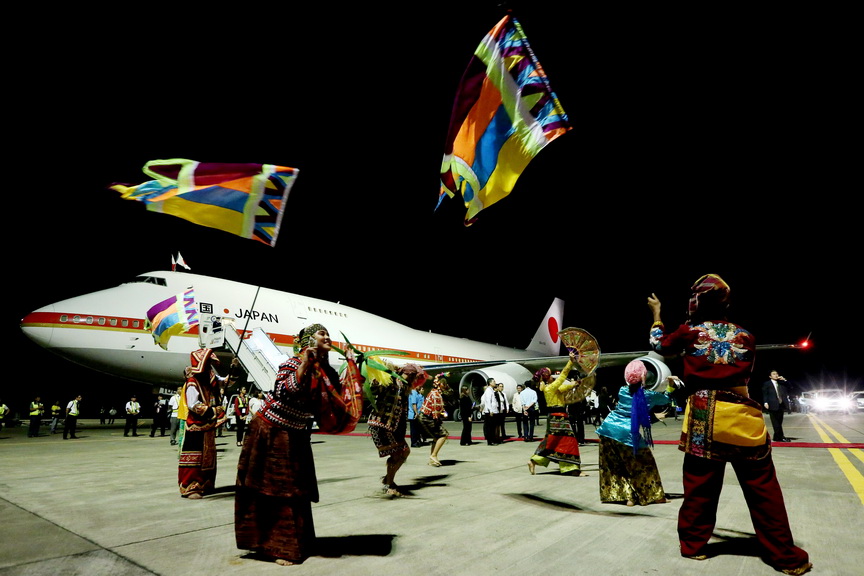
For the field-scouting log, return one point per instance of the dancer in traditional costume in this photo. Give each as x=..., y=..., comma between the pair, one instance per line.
x=560, y=443
x=388, y=393
x=276, y=481
x=628, y=471
x=723, y=424
x=197, y=469
x=432, y=416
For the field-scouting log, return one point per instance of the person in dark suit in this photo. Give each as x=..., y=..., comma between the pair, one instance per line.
x=466, y=413
x=775, y=398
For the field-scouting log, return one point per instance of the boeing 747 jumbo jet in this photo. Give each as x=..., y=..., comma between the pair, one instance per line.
x=107, y=331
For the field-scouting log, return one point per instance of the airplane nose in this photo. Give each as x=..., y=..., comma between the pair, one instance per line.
x=37, y=326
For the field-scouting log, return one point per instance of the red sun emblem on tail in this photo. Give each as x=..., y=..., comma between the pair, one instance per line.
x=553, y=329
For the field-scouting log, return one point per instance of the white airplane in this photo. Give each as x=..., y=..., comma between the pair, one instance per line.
x=106, y=331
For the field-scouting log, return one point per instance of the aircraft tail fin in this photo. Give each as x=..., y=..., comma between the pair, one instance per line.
x=546, y=341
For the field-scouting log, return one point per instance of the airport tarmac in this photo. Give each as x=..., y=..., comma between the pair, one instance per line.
x=109, y=505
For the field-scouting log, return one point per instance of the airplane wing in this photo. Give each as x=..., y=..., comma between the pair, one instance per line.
x=554, y=363
x=518, y=370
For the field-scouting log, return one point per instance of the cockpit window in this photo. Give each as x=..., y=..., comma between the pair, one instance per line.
x=148, y=280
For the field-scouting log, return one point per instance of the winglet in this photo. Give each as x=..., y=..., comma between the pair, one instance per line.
x=546, y=341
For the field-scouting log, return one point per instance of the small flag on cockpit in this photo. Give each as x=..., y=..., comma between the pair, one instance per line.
x=182, y=262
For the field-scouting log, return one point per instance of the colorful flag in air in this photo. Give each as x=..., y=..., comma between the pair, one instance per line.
x=243, y=199
x=504, y=113
x=174, y=315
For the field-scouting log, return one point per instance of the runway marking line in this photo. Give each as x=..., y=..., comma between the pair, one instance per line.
x=855, y=478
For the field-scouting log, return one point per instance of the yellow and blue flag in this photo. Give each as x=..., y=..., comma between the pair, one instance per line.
x=174, y=315
x=240, y=198
x=504, y=113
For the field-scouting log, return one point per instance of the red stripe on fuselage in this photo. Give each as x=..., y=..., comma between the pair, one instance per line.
x=115, y=323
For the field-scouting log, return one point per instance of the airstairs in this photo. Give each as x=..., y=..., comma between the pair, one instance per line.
x=258, y=354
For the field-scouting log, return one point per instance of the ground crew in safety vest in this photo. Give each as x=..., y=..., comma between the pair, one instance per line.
x=36, y=411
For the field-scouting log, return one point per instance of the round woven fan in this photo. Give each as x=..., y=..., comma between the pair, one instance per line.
x=585, y=346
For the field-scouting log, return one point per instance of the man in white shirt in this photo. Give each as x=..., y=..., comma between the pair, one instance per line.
x=174, y=418
x=489, y=402
x=255, y=404
x=224, y=411
x=594, y=408
x=529, y=407
x=133, y=409
x=72, y=411
x=518, y=411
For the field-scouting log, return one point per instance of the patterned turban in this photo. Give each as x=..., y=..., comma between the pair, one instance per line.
x=542, y=374
x=202, y=359
x=306, y=337
x=708, y=284
x=414, y=374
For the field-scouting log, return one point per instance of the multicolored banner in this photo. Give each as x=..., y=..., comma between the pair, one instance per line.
x=174, y=315
x=504, y=113
x=243, y=199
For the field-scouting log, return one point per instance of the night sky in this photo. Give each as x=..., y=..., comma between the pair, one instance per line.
x=703, y=141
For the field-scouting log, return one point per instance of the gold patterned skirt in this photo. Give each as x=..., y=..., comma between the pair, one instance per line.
x=624, y=477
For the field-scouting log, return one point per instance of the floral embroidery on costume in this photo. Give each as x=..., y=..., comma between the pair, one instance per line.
x=719, y=343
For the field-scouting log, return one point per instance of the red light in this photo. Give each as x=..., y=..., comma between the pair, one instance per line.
x=805, y=344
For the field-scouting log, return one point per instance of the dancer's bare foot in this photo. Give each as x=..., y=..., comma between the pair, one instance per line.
x=531, y=467
x=283, y=562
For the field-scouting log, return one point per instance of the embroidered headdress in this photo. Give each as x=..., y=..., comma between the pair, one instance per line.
x=202, y=359
x=306, y=337
x=711, y=290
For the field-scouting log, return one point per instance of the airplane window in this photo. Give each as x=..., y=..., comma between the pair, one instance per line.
x=89, y=319
x=135, y=323
x=64, y=318
x=76, y=318
x=124, y=322
x=113, y=321
x=101, y=321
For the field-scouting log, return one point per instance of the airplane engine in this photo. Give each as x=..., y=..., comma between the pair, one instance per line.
x=658, y=371
x=508, y=374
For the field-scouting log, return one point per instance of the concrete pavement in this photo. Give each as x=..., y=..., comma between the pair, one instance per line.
x=109, y=505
